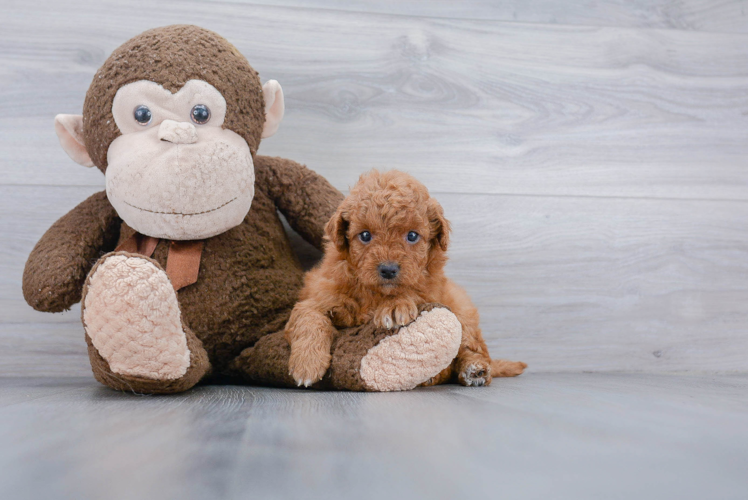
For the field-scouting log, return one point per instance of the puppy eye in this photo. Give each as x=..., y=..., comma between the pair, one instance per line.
x=365, y=237
x=142, y=115
x=413, y=237
x=200, y=114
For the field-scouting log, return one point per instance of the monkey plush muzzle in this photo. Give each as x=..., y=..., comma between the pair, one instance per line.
x=175, y=172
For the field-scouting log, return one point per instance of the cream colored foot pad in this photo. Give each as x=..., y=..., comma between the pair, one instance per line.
x=416, y=353
x=132, y=316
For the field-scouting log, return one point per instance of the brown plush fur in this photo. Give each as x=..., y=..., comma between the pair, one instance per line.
x=171, y=56
x=249, y=276
x=347, y=289
x=60, y=261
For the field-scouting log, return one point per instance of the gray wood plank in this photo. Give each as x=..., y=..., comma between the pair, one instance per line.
x=562, y=283
x=24, y=389
x=538, y=436
x=606, y=284
x=471, y=106
x=698, y=15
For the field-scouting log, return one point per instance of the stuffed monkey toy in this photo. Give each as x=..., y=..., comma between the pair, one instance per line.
x=182, y=265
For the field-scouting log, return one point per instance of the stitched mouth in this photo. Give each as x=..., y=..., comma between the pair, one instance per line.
x=179, y=213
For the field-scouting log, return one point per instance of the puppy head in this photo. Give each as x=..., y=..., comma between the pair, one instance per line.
x=390, y=231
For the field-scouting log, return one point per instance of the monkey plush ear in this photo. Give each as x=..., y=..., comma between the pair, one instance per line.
x=69, y=129
x=274, y=107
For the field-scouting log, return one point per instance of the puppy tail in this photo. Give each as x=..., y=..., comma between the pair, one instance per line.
x=506, y=368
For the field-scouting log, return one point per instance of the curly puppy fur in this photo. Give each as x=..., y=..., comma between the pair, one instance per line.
x=374, y=269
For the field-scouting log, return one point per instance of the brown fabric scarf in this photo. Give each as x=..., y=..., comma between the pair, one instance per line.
x=182, y=263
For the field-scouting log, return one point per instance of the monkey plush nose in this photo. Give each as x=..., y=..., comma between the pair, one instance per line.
x=177, y=132
x=388, y=270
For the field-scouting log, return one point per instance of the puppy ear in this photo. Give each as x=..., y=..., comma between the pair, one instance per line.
x=336, y=229
x=438, y=224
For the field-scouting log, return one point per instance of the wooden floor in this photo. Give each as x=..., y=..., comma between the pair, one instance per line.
x=540, y=436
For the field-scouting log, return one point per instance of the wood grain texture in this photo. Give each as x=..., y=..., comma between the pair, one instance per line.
x=514, y=108
x=606, y=284
x=595, y=169
x=692, y=15
x=560, y=436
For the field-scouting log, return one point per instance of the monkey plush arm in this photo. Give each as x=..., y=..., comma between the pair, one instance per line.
x=58, y=264
x=304, y=197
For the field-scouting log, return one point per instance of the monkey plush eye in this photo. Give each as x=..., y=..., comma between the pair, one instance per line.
x=413, y=237
x=365, y=237
x=142, y=115
x=200, y=114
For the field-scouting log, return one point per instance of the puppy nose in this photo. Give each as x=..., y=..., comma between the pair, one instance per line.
x=177, y=132
x=388, y=270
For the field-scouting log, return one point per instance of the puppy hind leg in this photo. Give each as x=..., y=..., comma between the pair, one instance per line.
x=443, y=377
x=476, y=369
x=473, y=363
x=473, y=368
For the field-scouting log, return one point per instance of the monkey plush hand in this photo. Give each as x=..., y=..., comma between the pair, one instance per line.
x=183, y=265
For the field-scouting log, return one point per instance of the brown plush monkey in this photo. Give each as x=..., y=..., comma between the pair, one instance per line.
x=182, y=265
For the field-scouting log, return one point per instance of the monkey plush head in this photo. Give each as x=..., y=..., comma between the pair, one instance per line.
x=174, y=118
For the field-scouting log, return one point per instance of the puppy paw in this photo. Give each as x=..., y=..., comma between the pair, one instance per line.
x=397, y=315
x=475, y=374
x=405, y=313
x=307, y=368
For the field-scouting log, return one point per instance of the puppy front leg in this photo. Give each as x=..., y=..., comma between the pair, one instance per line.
x=309, y=333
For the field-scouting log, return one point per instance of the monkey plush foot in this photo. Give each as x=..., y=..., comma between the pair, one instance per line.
x=133, y=324
x=416, y=353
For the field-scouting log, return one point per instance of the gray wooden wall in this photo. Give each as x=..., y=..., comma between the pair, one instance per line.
x=592, y=156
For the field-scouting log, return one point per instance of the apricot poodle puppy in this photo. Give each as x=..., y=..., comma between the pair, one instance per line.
x=384, y=256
